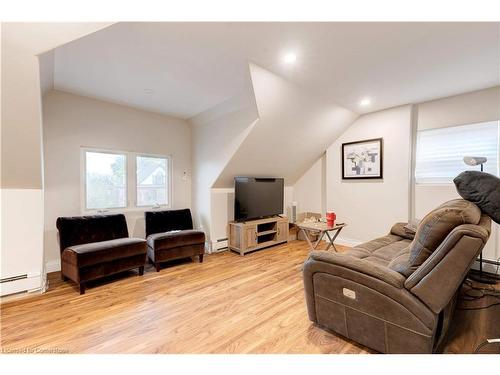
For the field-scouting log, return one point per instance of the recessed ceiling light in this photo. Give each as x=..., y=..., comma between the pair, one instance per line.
x=290, y=58
x=149, y=91
x=365, y=102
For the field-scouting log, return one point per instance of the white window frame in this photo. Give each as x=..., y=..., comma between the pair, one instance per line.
x=130, y=181
x=168, y=176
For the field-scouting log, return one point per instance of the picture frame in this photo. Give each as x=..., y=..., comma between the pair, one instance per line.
x=363, y=159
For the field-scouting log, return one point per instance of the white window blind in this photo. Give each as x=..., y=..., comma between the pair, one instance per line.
x=440, y=152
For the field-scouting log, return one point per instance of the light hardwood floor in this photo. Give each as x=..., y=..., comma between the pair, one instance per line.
x=228, y=304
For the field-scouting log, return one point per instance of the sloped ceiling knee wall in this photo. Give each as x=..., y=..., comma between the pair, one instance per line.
x=275, y=128
x=293, y=131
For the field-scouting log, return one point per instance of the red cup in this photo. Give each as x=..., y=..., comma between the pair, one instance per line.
x=330, y=219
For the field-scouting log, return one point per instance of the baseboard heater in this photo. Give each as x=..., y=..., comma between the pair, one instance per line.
x=19, y=284
x=220, y=245
x=13, y=278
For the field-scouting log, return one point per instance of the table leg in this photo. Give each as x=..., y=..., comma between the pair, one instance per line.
x=311, y=245
x=329, y=243
x=307, y=238
x=334, y=237
x=319, y=240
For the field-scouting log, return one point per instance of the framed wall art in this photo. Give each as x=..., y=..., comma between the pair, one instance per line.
x=362, y=159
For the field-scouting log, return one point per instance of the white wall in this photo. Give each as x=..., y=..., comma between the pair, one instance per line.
x=371, y=207
x=21, y=95
x=469, y=108
x=476, y=106
x=222, y=212
x=21, y=250
x=21, y=141
x=294, y=128
x=216, y=135
x=309, y=191
x=72, y=121
x=46, y=61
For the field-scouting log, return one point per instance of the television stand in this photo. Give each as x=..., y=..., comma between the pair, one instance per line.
x=257, y=234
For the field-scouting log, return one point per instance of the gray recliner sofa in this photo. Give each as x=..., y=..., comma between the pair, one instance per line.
x=396, y=294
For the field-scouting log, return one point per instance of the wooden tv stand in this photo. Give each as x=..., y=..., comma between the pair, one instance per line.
x=257, y=234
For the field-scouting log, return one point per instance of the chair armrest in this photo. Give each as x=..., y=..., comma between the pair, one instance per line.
x=362, y=266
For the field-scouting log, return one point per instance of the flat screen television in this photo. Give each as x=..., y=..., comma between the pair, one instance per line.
x=256, y=197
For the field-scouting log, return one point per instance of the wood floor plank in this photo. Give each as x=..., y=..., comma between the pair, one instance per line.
x=227, y=304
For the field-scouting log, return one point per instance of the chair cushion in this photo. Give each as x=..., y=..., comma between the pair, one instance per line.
x=482, y=189
x=104, y=251
x=436, y=226
x=172, y=239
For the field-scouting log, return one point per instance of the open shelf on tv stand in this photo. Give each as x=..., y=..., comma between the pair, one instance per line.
x=257, y=234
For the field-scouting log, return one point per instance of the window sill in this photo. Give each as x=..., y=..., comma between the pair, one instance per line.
x=124, y=210
x=434, y=184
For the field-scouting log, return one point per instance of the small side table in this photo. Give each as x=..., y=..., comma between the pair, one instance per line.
x=322, y=229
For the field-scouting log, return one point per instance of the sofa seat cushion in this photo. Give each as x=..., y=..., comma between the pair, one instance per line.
x=103, y=251
x=173, y=239
x=378, y=243
x=380, y=251
x=401, y=263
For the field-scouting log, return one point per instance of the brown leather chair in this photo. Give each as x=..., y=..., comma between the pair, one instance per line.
x=396, y=294
x=97, y=246
x=170, y=235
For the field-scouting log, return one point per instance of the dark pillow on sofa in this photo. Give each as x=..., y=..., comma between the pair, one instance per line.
x=481, y=188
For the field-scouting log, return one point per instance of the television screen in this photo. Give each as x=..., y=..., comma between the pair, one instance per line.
x=257, y=197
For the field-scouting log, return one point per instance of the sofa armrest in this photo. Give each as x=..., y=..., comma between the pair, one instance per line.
x=374, y=285
x=439, y=277
x=401, y=230
x=359, y=265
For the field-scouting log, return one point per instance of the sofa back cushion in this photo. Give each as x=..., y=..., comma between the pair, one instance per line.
x=165, y=221
x=78, y=230
x=436, y=226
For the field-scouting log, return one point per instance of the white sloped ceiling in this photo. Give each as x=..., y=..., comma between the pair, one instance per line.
x=294, y=129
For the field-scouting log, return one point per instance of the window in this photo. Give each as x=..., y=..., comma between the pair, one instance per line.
x=440, y=152
x=124, y=180
x=105, y=176
x=151, y=180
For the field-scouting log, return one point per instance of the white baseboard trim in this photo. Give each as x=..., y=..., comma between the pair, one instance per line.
x=53, y=266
